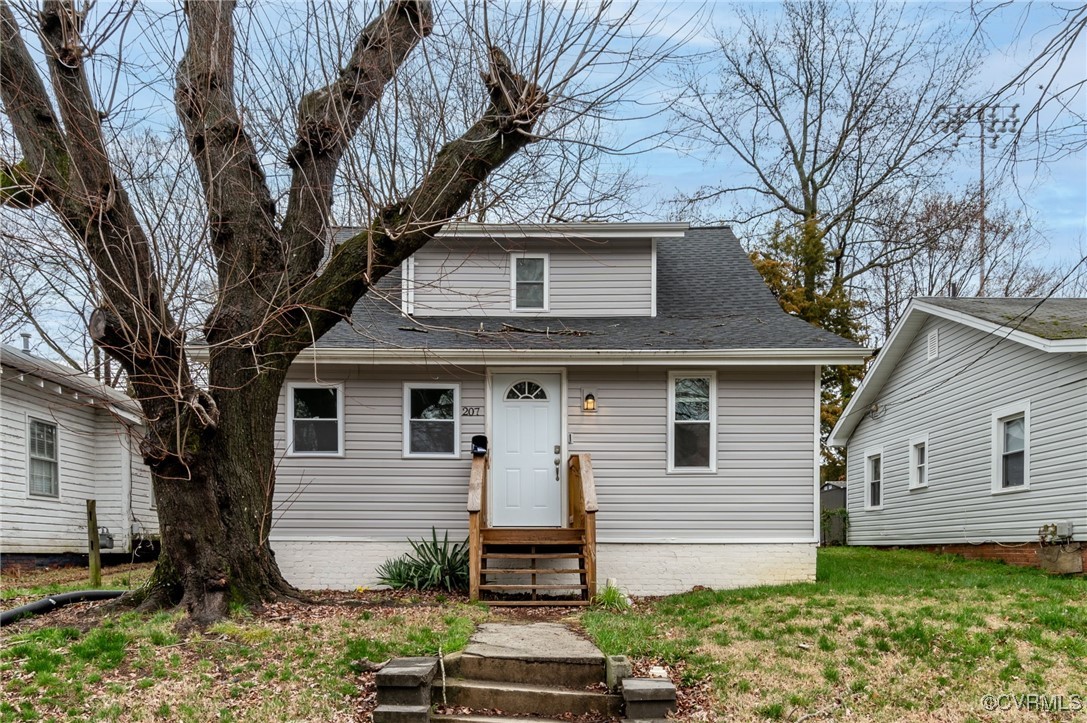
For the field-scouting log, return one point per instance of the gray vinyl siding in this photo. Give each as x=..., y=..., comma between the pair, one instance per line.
x=90, y=459
x=372, y=492
x=763, y=489
x=952, y=399
x=458, y=277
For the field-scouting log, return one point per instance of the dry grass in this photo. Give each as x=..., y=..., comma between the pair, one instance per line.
x=287, y=662
x=883, y=636
x=19, y=586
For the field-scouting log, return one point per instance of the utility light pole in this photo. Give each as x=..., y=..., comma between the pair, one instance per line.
x=994, y=121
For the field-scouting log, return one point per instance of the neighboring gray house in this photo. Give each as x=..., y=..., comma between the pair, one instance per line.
x=970, y=428
x=66, y=438
x=654, y=348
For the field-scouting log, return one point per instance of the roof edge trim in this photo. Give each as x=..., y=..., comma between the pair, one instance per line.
x=1010, y=332
x=574, y=357
x=654, y=229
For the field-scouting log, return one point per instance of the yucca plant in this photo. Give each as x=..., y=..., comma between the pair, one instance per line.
x=430, y=564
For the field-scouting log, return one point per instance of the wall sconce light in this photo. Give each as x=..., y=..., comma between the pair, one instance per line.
x=589, y=405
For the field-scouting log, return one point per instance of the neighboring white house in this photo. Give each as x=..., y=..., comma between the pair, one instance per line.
x=655, y=348
x=66, y=438
x=971, y=427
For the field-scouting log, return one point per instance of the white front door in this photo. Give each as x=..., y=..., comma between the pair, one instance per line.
x=526, y=447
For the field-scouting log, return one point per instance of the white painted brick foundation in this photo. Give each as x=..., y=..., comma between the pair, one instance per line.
x=640, y=569
x=659, y=569
x=326, y=565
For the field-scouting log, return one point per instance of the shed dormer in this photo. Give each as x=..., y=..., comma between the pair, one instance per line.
x=571, y=270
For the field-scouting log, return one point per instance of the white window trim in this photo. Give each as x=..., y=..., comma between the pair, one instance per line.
x=56, y=435
x=514, y=255
x=340, y=420
x=915, y=483
x=405, y=446
x=672, y=376
x=1000, y=415
x=869, y=455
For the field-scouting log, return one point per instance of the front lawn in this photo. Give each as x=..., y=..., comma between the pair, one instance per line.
x=883, y=636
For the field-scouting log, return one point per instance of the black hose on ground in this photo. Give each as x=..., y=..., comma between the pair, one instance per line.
x=51, y=603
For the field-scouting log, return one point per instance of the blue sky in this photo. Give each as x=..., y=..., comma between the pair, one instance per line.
x=1055, y=192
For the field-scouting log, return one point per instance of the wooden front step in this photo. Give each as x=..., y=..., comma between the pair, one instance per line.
x=533, y=570
x=524, y=549
x=532, y=536
x=530, y=588
x=527, y=555
x=539, y=602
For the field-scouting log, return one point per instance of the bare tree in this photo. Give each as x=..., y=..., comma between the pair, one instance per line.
x=943, y=257
x=820, y=112
x=1054, y=123
x=268, y=210
x=49, y=286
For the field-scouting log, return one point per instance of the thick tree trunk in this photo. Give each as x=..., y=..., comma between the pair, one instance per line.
x=215, y=508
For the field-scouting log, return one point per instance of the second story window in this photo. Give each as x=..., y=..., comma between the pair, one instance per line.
x=528, y=282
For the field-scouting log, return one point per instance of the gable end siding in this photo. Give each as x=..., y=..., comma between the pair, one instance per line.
x=464, y=277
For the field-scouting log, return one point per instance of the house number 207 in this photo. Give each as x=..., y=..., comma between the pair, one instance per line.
x=471, y=411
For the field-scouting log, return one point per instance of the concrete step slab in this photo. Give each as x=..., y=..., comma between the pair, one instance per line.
x=401, y=714
x=525, y=698
x=538, y=653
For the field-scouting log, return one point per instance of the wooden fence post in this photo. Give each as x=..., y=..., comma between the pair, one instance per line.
x=94, y=557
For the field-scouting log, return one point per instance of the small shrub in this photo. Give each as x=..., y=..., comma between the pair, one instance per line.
x=612, y=599
x=430, y=564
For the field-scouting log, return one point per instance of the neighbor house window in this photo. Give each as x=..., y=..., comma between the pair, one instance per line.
x=873, y=479
x=44, y=472
x=529, y=282
x=919, y=461
x=431, y=420
x=692, y=422
x=315, y=419
x=1011, y=447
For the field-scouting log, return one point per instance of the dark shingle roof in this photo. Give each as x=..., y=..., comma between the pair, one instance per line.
x=709, y=297
x=1051, y=318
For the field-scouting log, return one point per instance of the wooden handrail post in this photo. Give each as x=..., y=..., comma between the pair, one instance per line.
x=477, y=492
x=590, y=553
x=583, y=507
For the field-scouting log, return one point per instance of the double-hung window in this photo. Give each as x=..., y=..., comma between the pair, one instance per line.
x=315, y=419
x=919, y=464
x=529, y=282
x=431, y=420
x=44, y=473
x=1011, y=447
x=692, y=422
x=873, y=479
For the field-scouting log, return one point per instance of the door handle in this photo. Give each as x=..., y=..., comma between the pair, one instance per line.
x=558, y=461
